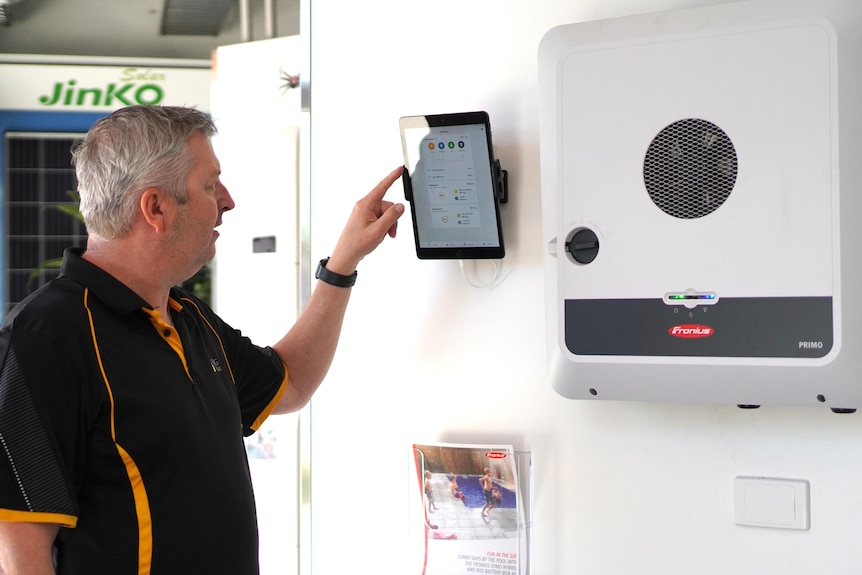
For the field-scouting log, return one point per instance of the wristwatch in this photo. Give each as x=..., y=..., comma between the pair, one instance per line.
x=333, y=278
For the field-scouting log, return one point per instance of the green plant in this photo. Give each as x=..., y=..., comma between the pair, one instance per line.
x=200, y=284
x=70, y=209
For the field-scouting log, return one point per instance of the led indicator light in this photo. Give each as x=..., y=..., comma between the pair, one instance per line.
x=690, y=299
x=691, y=296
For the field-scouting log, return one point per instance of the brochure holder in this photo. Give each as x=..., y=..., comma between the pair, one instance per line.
x=455, y=527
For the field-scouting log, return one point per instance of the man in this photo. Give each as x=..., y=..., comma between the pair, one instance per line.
x=487, y=490
x=429, y=492
x=124, y=400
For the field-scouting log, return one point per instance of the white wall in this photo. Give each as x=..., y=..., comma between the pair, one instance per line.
x=620, y=488
x=263, y=180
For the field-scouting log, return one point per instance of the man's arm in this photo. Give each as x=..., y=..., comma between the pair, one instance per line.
x=25, y=548
x=308, y=348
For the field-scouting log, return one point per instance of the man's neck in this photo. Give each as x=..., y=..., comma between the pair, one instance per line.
x=131, y=265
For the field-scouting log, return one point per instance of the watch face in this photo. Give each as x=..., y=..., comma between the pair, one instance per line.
x=321, y=265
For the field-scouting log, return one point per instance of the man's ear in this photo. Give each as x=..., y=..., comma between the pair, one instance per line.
x=155, y=208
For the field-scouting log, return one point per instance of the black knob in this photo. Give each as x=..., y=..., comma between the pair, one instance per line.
x=584, y=246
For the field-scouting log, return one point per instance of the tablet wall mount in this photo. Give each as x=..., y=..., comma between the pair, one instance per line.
x=501, y=183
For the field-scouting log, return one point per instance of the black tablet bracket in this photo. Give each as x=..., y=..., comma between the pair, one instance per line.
x=501, y=183
x=408, y=186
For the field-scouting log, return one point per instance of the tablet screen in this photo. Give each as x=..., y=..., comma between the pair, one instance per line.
x=451, y=187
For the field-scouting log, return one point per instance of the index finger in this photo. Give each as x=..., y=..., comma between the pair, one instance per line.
x=380, y=189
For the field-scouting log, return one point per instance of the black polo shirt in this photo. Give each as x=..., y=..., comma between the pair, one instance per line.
x=129, y=433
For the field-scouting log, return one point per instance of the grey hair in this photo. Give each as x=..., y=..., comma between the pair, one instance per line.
x=128, y=152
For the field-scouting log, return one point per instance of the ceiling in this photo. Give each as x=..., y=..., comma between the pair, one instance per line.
x=125, y=28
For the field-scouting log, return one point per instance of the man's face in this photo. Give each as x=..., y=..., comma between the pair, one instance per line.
x=194, y=231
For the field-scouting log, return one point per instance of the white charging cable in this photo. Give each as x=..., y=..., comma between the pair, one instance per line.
x=477, y=284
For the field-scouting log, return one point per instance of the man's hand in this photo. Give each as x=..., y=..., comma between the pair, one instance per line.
x=372, y=219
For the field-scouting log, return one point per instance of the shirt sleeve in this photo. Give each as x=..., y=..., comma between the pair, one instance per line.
x=261, y=381
x=38, y=433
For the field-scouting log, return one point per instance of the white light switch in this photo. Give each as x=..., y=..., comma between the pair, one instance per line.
x=772, y=502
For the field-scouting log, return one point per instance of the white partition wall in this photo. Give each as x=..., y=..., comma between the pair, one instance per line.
x=255, y=104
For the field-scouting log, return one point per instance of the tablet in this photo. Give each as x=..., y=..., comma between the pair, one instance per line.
x=450, y=184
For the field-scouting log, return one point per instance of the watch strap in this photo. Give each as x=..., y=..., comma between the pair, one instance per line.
x=333, y=278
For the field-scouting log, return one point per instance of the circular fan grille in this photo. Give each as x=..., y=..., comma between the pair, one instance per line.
x=690, y=168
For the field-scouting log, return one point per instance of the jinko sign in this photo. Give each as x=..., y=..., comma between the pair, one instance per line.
x=70, y=95
x=94, y=88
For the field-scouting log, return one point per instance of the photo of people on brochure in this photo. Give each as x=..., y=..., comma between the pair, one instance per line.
x=470, y=508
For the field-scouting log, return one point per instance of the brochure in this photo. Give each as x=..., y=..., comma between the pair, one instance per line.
x=472, y=513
